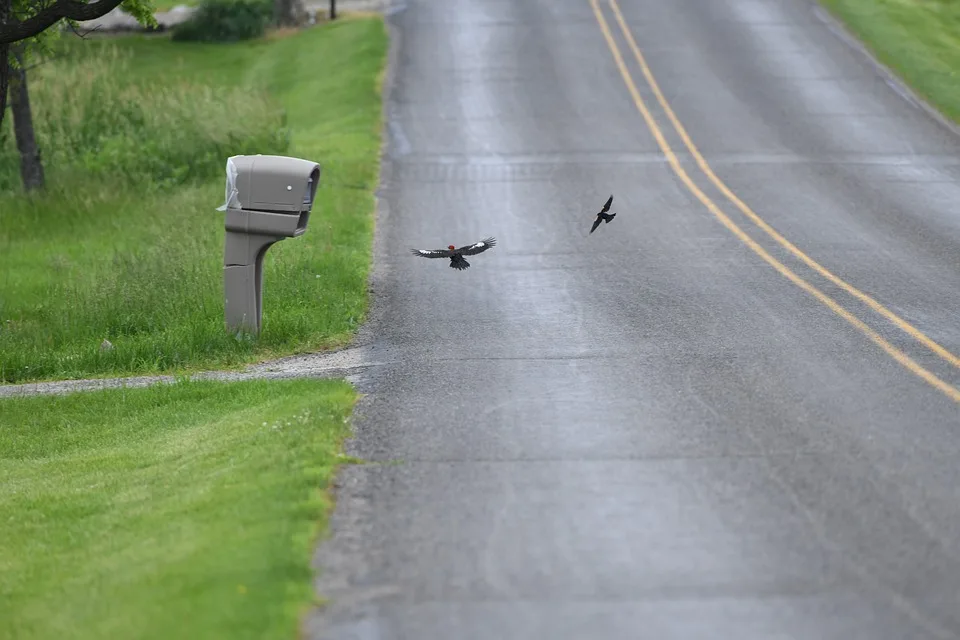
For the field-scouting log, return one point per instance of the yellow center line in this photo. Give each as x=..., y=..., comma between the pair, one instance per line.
x=952, y=392
x=905, y=326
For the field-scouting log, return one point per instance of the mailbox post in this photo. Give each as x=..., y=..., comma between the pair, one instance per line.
x=268, y=198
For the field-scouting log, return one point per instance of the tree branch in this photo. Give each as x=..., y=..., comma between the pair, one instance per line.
x=46, y=18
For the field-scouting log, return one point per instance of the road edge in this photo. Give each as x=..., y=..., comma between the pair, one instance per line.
x=839, y=29
x=327, y=582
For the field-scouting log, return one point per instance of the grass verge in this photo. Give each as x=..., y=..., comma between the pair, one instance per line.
x=181, y=511
x=918, y=39
x=126, y=244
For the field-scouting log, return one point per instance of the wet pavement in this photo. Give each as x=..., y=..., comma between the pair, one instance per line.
x=654, y=430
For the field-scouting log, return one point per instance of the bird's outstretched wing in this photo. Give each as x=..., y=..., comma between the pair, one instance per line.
x=606, y=207
x=479, y=247
x=432, y=253
x=596, y=223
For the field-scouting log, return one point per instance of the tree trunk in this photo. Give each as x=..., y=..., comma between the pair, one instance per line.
x=4, y=74
x=5, y=6
x=31, y=167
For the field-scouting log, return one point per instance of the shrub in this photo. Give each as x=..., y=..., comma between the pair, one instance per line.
x=226, y=21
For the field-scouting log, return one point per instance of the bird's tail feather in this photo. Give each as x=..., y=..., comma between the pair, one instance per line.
x=610, y=217
x=459, y=263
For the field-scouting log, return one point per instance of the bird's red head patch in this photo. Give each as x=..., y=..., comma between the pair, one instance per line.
x=451, y=247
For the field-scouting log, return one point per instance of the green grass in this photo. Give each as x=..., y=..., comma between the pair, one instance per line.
x=181, y=511
x=126, y=244
x=167, y=5
x=918, y=39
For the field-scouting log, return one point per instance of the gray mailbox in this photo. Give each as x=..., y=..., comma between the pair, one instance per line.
x=268, y=198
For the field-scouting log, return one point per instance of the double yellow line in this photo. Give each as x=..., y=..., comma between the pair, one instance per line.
x=898, y=355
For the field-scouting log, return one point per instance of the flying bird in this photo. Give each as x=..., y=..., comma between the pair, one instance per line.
x=603, y=216
x=456, y=255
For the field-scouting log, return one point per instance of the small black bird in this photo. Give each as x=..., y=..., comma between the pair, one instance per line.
x=456, y=255
x=603, y=216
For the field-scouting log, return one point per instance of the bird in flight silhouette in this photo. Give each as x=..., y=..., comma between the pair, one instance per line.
x=603, y=216
x=456, y=255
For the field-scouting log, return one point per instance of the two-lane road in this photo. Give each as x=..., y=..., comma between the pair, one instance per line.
x=733, y=412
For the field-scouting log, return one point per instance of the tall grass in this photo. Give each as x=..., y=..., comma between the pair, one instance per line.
x=117, y=147
x=126, y=245
x=94, y=116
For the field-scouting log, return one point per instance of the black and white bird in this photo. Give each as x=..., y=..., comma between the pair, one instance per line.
x=456, y=255
x=603, y=216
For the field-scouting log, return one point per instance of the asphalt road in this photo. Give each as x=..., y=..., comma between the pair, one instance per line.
x=677, y=427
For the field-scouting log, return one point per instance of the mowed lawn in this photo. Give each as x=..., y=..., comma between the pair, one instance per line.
x=175, y=511
x=126, y=244
x=918, y=39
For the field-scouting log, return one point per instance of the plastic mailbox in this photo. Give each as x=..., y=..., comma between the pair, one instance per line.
x=268, y=198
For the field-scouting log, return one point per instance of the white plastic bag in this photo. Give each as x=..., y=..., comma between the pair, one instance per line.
x=231, y=197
